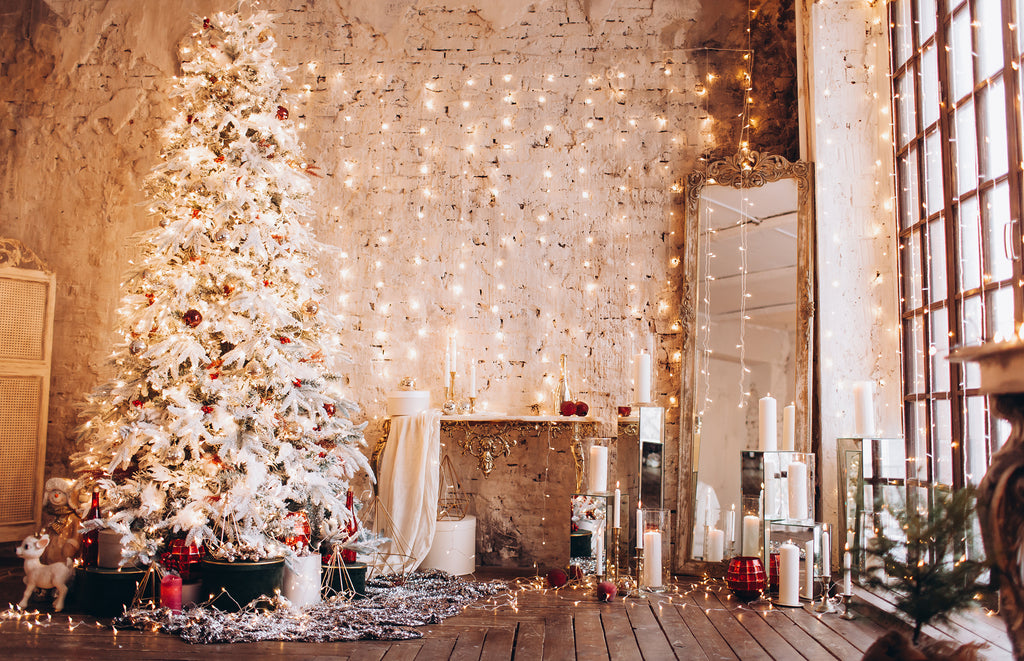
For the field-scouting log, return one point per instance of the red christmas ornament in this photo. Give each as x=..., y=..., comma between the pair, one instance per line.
x=606, y=591
x=557, y=578
x=575, y=573
x=192, y=318
x=329, y=408
x=297, y=530
x=282, y=113
x=582, y=408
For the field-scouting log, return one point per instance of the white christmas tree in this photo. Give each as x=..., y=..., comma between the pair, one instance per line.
x=226, y=409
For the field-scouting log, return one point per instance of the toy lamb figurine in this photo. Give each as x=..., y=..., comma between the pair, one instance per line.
x=38, y=575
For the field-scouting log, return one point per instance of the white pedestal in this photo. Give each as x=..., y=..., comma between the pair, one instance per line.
x=454, y=547
x=302, y=580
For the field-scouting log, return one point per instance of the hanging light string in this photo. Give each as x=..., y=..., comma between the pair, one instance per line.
x=744, y=147
x=704, y=249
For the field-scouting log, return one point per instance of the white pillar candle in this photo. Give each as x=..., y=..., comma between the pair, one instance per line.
x=598, y=469
x=847, y=572
x=826, y=553
x=618, y=506
x=767, y=424
x=797, y=478
x=455, y=354
x=851, y=539
x=716, y=542
x=863, y=408
x=751, y=531
x=771, y=486
x=599, y=554
x=789, y=428
x=652, y=559
x=730, y=526
x=302, y=580
x=447, y=361
x=789, y=575
x=472, y=378
x=809, y=570
x=642, y=378
x=639, y=527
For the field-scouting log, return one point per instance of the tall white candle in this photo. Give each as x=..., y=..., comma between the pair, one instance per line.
x=789, y=575
x=642, y=378
x=716, y=544
x=863, y=408
x=789, y=428
x=639, y=526
x=455, y=354
x=618, y=506
x=730, y=525
x=447, y=360
x=767, y=424
x=797, y=478
x=472, y=378
x=771, y=486
x=847, y=572
x=809, y=570
x=751, y=531
x=598, y=469
x=652, y=559
x=826, y=553
x=599, y=555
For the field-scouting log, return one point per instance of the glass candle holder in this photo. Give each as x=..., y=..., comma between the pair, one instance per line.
x=657, y=549
x=752, y=527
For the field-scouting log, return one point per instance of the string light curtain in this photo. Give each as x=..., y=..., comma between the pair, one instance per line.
x=956, y=89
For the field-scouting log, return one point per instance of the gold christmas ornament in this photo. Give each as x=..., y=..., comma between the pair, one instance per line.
x=310, y=308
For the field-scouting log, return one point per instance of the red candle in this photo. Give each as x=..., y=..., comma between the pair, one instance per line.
x=170, y=592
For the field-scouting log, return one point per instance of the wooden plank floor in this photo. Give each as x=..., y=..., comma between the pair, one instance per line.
x=688, y=623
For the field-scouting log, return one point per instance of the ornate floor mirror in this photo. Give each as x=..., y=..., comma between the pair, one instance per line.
x=747, y=321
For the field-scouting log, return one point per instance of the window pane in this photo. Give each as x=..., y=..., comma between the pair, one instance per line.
x=961, y=71
x=972, y=331
x=910, y=209
x=1000, y=313
x=965, y=149
x=905, y=107
x=915, y=347
x=933, y=173
x=930, y=86
x=938, y=350
x=970, y=244
x=911, y=255
x=976, y=425
x=942, y=430
x=998, y=238
x=925, y=20
x=989, y=38
x=993, y=130
x=936, y=260
x=917, y=444
x=1003, y=430
x=904, y=46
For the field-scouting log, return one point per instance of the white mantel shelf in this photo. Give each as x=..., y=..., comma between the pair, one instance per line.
x=501, y=417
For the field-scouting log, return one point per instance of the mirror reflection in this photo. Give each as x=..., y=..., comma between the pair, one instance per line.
x=745, y=340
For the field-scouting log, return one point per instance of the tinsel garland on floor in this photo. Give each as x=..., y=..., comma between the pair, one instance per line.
x=392, y=607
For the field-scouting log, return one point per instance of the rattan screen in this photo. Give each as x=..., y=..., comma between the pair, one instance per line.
x=19, y=443
x=22, y=319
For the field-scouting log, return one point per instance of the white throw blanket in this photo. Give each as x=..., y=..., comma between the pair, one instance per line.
x=408, y=476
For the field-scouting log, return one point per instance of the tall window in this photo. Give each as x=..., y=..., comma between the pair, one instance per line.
x=956, y=83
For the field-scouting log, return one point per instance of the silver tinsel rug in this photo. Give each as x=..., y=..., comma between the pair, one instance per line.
x=392, y=607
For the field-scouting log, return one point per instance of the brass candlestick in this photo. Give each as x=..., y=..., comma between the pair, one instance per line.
x=825, y=605
x=615, y=545
x=639, y=568
x=472, y=404
x=449, y=405
x=847, y=613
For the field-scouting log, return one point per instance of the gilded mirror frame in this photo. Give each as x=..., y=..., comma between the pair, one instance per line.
x=746, y=169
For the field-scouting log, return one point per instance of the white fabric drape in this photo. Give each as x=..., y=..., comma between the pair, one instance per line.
x=408, y=477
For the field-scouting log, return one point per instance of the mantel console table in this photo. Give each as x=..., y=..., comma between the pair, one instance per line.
x=489, y=436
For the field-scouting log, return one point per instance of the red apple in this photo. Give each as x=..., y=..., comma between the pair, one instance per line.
x=567, y=408
x=624, y=411
x=582, y=408
x=606, y=591
x=575, y=573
